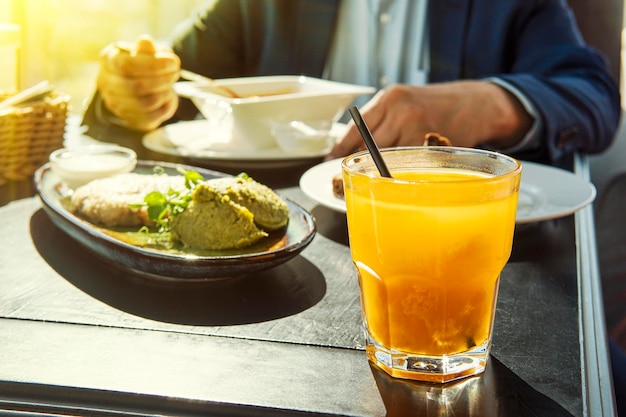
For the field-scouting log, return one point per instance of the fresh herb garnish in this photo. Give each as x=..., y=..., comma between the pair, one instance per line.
x=245, y=176
x=161, y=208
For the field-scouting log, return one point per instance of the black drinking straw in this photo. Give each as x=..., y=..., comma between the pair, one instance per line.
x=369, y=142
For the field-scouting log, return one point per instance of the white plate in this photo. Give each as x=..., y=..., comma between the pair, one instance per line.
x=546, y=192
x=202, y=140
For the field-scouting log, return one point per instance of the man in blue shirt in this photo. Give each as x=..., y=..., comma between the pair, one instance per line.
x=514, y=76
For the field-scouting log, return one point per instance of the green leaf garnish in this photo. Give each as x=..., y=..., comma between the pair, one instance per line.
x=192, y=178
x=155, y=199
x=161, y=208
x=244, y=176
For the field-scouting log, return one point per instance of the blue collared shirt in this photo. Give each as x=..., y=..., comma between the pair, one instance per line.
x=384, y=42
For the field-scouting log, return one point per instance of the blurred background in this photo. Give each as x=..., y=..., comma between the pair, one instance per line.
x=59, y=40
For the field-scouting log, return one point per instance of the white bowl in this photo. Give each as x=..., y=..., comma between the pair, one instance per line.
x=269, y=101
x=303, y=137
x=80, y=165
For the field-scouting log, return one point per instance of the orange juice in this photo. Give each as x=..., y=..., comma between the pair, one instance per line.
x=429, y=246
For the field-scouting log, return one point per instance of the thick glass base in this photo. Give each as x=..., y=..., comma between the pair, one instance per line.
x=440, y=369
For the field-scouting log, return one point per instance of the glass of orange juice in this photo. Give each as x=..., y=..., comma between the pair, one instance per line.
x=429, y=245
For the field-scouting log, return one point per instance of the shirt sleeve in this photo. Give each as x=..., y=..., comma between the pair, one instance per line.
x=532, y=139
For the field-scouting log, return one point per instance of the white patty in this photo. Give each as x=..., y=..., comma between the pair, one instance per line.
x=106, y=201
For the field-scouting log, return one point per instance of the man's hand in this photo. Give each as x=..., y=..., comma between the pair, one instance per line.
x=467, y=112
x=136, y=82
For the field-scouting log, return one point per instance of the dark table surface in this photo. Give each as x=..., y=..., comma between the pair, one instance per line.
x=80, y=336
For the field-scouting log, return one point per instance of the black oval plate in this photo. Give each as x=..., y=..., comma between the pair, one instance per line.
x=278, y=248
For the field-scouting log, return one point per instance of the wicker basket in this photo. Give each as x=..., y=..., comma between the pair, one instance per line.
x=29, y=132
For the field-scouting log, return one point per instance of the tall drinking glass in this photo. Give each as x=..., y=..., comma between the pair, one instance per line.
x=429, y=245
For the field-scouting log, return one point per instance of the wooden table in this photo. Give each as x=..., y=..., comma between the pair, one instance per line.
x=79, y=336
